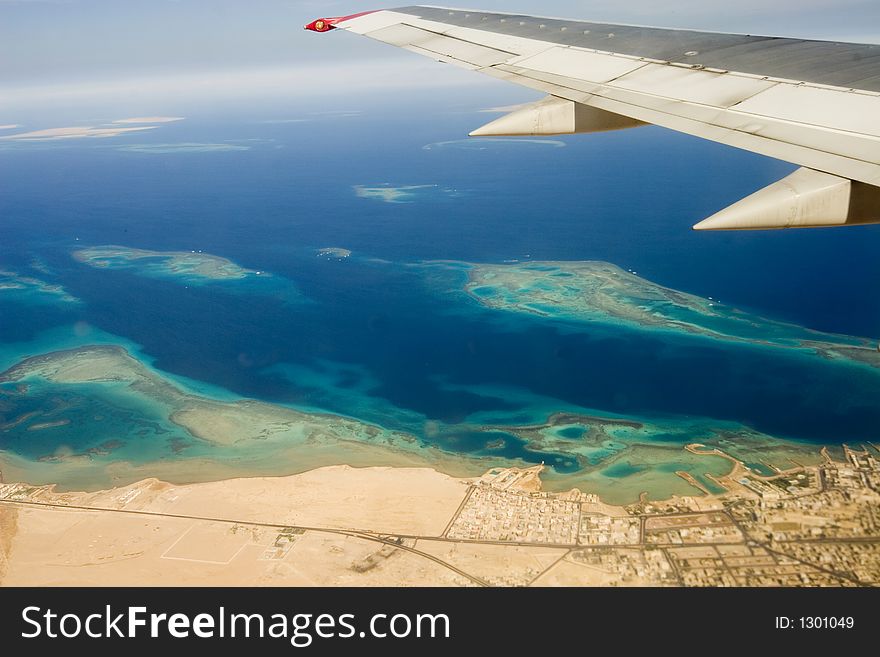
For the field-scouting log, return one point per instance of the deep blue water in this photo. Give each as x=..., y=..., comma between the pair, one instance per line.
x=628, y=198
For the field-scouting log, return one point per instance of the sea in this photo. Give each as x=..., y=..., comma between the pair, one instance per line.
x=383, y=336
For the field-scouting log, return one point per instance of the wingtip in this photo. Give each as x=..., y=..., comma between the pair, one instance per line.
x=327, y=24
x=320, y=25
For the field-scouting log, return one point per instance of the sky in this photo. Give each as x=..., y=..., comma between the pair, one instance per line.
x=64, y=52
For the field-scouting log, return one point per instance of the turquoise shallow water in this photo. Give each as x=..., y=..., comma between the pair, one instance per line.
x=622, y=469
x=102, y=420
x=572, y=432
x=108, y=422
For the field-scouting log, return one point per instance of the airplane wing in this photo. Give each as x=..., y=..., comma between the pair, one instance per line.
x=813, y=103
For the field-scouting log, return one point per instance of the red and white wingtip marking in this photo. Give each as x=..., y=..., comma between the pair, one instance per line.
x=327, y=24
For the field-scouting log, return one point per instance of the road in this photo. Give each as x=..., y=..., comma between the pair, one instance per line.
x=396, y=540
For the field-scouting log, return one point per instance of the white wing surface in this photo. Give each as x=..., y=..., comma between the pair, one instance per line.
x=812, y=103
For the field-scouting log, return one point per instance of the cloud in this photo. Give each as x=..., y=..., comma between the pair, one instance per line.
x=75, y=132
x=10, y=126
x=280, y=82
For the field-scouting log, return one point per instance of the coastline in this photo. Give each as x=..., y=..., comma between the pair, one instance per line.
x=198, y=438
x=408, y=526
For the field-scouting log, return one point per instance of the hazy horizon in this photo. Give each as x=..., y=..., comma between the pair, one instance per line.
x=79, y=54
